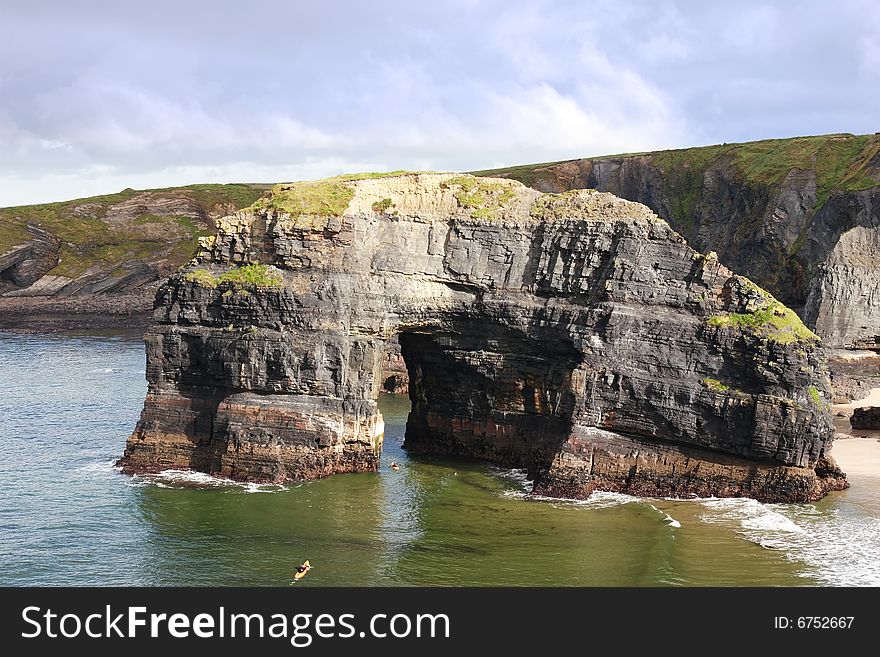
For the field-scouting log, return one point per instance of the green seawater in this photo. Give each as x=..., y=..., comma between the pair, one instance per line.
x=68, y=517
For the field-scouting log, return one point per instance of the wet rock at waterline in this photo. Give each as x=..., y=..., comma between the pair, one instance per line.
x=575, y=335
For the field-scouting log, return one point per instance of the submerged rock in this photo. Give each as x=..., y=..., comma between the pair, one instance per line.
x=575, y=335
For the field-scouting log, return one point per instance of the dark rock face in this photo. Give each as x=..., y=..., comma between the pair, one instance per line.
x=866, y=417
x=817, y=256
x=576, y=336
x=26, y=263
x=853, y=374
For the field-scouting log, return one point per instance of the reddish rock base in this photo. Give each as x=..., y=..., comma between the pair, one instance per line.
x=257, y=438
x=611, y=462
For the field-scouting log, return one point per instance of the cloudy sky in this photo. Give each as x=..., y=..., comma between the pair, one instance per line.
x=98, y=96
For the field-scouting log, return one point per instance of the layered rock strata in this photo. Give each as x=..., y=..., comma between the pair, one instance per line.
x=395, y=376
x=844, y=301
x=853, y=374
x=799, y=216
x=575, y=335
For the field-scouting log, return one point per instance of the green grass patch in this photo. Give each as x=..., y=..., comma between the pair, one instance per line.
x=844, y=165
x=78, y=259
x=257, y=276
x=88, y=240
x=351, y=177
x=485, y=199
x=202, y=278
x=817, y=399
x=771, y=319
x=776, y=323
x=12, y=233
x=695, y=159
x=382, y=206
x=715, y=385
x=234, y=195
x=323, y=198
x=529, y=175
x=841, y=161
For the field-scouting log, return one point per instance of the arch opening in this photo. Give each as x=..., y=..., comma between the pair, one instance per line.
x=485, y=391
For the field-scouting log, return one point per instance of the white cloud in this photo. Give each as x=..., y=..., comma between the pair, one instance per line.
x=106, y=179
x=126, y=99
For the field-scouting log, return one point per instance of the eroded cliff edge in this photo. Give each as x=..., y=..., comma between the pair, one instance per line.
x=799, y=216
x=575, y=335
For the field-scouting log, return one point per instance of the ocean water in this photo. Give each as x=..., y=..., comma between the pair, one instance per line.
x=67, y=517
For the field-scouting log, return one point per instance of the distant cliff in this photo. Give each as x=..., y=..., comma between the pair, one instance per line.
x=104, y=255
x=799, y=216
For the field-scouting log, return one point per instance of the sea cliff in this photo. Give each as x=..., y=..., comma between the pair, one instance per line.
x=574, y=335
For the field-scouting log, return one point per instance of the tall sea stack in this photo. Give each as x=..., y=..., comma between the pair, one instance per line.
x=574, y=335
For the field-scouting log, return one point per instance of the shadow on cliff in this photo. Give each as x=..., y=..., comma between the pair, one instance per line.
x=486, y=391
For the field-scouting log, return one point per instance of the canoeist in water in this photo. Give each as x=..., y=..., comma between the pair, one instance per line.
x=302, y=570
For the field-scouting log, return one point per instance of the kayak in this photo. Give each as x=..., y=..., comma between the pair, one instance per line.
x=302, y=570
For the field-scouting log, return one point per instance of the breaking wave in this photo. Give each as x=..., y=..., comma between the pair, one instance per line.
x=837, y=546
x=201, y=480
x=598, y=500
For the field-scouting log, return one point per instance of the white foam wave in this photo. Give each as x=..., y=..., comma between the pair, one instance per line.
x=751, y=514
x=838, y=546
x=191, y=479
x=672, y=522
x=520, y=479
x=99, y=466
x=597, y=500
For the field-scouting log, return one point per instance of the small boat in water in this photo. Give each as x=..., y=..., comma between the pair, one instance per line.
x=302, y=570
x=394, y=466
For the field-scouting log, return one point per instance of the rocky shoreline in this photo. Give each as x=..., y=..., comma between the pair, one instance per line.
x=78, y=313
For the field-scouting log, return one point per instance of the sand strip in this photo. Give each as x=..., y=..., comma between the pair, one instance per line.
x=873, y=399
x=858, y=456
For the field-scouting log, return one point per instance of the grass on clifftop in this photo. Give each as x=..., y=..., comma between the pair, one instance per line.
x=483, y=198
x=771, y=320
x=247, y=276
x=320, y=197
x=202, y=278
x=777, y=323
x=841, y=161
x=91, y=237
x=325, y=198
x=253, y=276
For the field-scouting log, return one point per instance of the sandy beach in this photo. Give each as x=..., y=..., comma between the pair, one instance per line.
x=859, y=456
x=845, y=432
x=873, y=399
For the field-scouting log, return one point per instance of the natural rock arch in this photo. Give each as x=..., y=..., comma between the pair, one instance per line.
x=575, y=335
